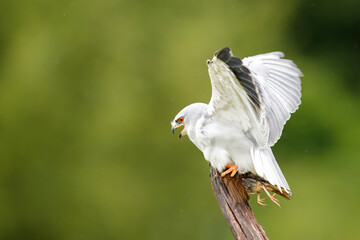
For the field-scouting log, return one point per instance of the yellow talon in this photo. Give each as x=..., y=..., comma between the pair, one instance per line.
x=231, y=169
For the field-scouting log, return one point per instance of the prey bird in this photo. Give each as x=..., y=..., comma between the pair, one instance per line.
x=251, y=101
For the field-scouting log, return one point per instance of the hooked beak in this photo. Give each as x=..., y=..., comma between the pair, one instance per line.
x=173, y=131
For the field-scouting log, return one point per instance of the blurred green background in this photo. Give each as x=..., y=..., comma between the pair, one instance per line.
x=88, y=89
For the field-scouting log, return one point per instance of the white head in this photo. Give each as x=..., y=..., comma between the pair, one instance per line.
x=188, y=117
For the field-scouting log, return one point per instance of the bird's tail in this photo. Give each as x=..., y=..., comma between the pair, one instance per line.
x=266, y=166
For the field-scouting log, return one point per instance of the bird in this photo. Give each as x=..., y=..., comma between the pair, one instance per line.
x=255, y=184
x=252, y=99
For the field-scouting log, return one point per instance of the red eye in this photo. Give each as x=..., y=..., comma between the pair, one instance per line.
x=181, y=120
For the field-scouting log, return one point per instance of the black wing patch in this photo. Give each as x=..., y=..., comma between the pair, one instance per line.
x=242, y=74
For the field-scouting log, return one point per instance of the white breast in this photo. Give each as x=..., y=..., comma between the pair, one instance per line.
x=223, y=142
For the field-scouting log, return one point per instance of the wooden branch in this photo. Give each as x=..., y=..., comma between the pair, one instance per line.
x=233, y=201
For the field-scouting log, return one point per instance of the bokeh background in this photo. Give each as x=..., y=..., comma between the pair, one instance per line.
x=88, y=90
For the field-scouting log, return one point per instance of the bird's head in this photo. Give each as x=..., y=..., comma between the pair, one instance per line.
x=188, y=117
x=180, y=120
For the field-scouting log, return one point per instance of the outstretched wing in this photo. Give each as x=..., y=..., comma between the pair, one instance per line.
x=236, y=97
x=258, y=94
x=278, y=81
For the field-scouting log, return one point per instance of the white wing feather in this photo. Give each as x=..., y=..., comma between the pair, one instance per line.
x=280, y=88
x=229, y=100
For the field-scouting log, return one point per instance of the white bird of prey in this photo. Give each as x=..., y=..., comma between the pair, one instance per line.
x=251, y=101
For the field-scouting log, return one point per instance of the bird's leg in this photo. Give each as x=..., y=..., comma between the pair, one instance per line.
x=231, y=169
x=260, y=200
x=276, y=201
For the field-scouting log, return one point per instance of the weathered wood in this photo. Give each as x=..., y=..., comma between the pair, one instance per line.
x=233, y=201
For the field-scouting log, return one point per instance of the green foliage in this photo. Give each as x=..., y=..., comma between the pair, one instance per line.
x=87, y=92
